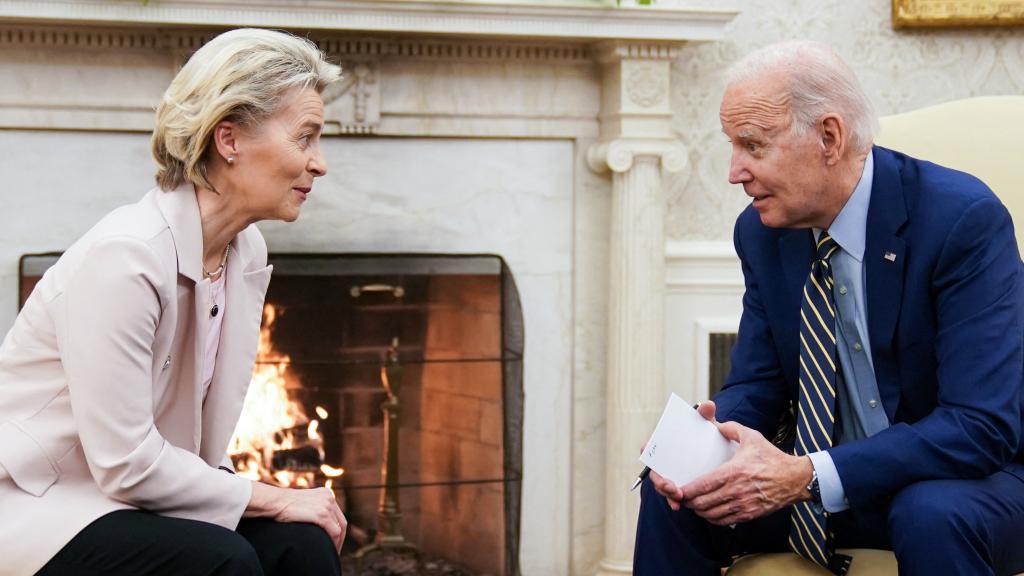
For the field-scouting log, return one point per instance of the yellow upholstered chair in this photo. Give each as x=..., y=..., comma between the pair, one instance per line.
x=975, y=135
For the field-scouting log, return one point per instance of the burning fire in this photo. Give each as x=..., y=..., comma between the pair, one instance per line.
x=275, y=441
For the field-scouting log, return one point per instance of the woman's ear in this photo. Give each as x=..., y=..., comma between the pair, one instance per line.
x=225, y=141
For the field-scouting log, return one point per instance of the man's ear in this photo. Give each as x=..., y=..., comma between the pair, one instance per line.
x=225, y=141
x=832, y=131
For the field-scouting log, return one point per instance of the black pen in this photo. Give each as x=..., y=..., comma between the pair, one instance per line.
x=641, y=477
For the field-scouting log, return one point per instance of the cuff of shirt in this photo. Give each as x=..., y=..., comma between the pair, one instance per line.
x=833, y=497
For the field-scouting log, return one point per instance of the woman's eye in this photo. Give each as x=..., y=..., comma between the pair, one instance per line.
x=304, y=141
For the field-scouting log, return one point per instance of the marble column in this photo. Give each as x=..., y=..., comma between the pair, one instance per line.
x=636, y=148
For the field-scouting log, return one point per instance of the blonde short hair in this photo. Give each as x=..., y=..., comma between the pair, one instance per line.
x=241, y=75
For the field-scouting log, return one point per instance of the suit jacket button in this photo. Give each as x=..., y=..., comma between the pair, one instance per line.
x=873, y=403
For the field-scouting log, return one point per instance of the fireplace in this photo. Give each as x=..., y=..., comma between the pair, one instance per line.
x=445, y=334
x=465, y=127
x=431, y=344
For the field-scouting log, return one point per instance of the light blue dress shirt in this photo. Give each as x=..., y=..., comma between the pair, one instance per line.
x=860, y=409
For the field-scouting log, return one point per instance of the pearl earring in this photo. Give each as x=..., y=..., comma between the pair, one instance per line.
x=231, y=159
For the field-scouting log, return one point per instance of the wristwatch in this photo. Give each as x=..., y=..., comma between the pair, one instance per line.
x=814, y=489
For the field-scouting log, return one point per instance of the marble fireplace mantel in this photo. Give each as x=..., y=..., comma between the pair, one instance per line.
x=579, y=89
x=672, y=20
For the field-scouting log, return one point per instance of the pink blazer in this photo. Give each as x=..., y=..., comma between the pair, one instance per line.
x=100, y=381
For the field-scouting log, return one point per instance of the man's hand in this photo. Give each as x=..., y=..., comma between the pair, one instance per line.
x=758, y=480
x=666, y=487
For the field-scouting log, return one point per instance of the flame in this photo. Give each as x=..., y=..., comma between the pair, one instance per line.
x=331, y=471
x=271, y=421
x=322, y=412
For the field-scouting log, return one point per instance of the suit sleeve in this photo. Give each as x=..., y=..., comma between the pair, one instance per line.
x=107, y=321
x=975, y=428
x=754, y=393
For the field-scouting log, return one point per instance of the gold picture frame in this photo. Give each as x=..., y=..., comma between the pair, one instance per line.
x=943, y=13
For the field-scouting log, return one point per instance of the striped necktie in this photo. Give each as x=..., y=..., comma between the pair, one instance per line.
x=809, y=535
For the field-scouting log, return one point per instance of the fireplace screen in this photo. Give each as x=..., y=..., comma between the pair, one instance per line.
x=395, y=380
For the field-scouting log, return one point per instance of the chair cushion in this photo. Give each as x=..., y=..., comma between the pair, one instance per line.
x=865, y=563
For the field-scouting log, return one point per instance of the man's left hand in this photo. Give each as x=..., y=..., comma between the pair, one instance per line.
x=758, y=480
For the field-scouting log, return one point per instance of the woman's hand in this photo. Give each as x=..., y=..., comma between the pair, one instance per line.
x=312, y=505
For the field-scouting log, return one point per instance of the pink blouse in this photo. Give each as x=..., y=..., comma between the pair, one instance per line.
x=213, y=336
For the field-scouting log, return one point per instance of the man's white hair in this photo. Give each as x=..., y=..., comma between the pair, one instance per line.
x=818, y=82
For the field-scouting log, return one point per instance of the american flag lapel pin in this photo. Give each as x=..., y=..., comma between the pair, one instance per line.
x=890, y=256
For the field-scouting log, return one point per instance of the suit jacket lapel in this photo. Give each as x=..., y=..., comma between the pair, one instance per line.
x=180, y=210
x=245, y=281
x=796, y=250
x=884, y=265
x=245, y=288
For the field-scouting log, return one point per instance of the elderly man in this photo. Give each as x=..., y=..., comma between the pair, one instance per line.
x=883, y=307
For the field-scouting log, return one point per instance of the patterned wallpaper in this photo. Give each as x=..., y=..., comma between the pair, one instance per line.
x=900, y=71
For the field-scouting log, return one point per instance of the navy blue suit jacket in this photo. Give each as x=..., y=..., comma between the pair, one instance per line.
x=945, y=319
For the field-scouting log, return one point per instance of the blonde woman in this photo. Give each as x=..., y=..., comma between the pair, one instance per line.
x=123, y=377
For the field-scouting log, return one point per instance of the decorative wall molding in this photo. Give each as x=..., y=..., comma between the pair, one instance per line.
x=638, y=148
x=114, y=101
x=469, y=49
x=352, y=106
x=704, y=327
x=98, y=38
x=520, y=20
x=625, y=50
x=702, y=266
x=157, y=40
x=645, y=86
x=703, y=295
x=619, y=155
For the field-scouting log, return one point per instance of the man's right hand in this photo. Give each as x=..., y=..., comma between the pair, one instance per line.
x=312, y=505
x=666, y=487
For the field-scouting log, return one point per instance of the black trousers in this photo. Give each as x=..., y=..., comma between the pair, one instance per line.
x=136, y=543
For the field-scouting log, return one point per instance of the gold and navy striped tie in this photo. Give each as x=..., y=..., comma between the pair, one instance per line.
x=809, y=535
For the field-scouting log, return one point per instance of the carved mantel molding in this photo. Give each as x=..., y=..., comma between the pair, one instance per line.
x=464, y=18
x=636, y=145
x=40, y=98
x=620, y=155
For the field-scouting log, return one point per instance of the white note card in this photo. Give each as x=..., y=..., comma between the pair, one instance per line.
x=684, y=445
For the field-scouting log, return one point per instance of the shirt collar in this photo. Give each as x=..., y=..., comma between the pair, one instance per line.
x=849, y=229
